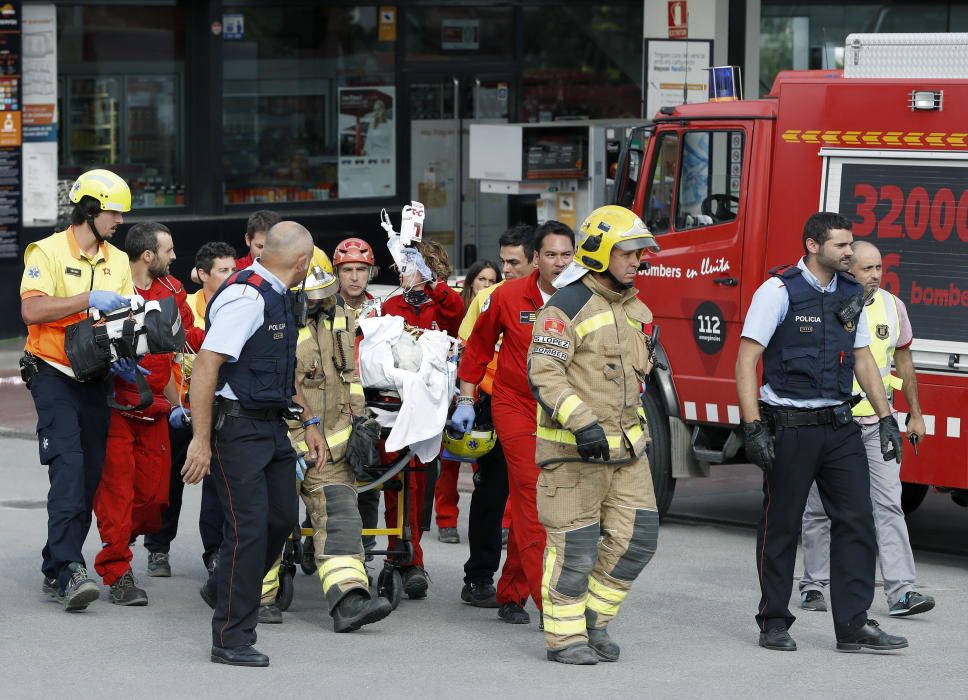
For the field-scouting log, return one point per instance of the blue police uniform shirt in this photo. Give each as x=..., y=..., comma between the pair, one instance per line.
x=236, y=314
x=768, y=310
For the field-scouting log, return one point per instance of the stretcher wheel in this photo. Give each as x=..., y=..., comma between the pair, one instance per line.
x=308, y=560
x=389, y=585
x=286, y=589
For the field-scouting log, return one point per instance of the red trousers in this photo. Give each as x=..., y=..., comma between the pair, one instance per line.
x=445, y=494
x=417, y=482
x=515, y=422
x=133, y=492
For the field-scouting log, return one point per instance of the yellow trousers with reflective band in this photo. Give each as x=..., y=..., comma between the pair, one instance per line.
x=602, y=529
x=330, y=497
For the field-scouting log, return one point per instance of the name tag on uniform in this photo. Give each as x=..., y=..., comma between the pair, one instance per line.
x=74, y=271
x=527, y=316
x=278, y=336
x=806, y=329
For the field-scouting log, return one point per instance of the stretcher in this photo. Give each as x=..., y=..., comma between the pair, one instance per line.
x=391, y=477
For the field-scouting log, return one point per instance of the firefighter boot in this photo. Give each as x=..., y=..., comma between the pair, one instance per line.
x=577, y=655
x=599, y=640
x=358, y=608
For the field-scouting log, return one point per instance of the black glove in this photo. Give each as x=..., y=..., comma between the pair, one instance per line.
x=362, y=449
x=592, y=443
x=890, y=435
x=759, y=444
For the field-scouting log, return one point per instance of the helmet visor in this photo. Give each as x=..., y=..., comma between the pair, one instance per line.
x=638, y=243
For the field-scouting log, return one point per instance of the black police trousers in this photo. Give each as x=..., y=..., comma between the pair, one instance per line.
x=835, y=458
x=210, y=520
x=72, y=432
x=254, y=470
x=484, y=519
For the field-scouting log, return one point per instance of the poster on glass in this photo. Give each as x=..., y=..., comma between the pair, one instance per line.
x=367, y=148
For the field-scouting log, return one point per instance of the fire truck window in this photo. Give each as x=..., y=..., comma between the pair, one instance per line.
x=709, y=179
x=659, y=202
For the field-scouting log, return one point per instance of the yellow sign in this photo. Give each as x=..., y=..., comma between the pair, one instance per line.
x=388, y=23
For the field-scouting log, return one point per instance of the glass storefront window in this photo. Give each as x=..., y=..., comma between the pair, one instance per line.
x=121, y=72
x=811, y=35
x=298, y=82
x=582, y=61
x=449, y=32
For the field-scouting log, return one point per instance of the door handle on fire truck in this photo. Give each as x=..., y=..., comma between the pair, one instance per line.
x=728, y=281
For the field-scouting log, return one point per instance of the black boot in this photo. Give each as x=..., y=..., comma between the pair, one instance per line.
x=871, y=637
x=777, y=639
x=356, y=609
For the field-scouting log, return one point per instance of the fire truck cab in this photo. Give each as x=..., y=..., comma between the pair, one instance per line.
x=726, y=188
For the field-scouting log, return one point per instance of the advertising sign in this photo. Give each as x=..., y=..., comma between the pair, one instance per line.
x=367, y=145
x=675, y=72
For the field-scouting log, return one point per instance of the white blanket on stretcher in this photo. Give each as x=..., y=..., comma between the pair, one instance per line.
x=425, y=392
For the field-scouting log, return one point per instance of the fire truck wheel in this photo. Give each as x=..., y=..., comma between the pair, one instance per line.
x=912, y=495
x=659, y=451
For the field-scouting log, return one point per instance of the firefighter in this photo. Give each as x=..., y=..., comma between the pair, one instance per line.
x=586, y=364
x=429, y=304
x=65, y=274
x=214, y=263
x=133, y=492
x=891, y=338
x=489, y=500
x=808, y=324
x=510, y=310
x=243, y=381
x=330, y=390
x=355, y=266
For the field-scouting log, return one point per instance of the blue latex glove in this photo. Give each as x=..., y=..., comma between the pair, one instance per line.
x=463, y=419
x=301, y=468
x=124, y=369
x=179, y=417
x=105, y=301
x=414, y=262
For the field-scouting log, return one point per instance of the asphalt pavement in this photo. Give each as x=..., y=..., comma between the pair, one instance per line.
x=686, y=630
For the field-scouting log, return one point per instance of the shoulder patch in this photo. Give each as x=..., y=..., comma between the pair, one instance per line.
x=33, y=272
x=486, y=305
x=570, y=299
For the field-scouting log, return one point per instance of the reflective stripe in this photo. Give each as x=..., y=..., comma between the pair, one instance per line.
x=339, y=323
x=356, y=389
x=340, y=569
x=567, y=437
x=599, y=589
x=568, y=407
x=564, y=628
x=563, y=620
x=594, y=323
x=642, y=415
x=881, y=314
x=635, y=324
x=635, y=433
x=339, y=437
x=271, y=581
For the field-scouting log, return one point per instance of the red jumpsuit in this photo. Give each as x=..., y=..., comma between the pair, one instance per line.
x=243, y=262
x=133, y=492
x=444, y=312
x=511, y=310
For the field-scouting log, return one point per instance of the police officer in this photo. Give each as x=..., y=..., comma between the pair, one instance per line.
x=65, y=274
x=808, y=324
x=587, y=361
x=247, y=365
x=891, y=339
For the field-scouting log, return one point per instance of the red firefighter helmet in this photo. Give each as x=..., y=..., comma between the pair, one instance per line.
x=354, y=250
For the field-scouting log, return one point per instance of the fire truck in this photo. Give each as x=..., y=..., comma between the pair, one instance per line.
x=726, y=188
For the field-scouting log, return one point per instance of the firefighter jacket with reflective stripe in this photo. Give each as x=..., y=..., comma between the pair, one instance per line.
x=885, y=329
x=586, y=364
x=326, y=374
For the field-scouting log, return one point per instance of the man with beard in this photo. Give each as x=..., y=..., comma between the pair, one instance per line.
x=808, y=324
x=133, y=492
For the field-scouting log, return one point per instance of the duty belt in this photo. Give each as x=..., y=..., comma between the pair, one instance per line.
x=230, y=407
x=789, y=417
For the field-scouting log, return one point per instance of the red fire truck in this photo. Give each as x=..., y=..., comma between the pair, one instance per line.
x=726, y=188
